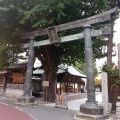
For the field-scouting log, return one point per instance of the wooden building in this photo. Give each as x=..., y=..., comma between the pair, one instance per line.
x=70, y=79
x=17, y=73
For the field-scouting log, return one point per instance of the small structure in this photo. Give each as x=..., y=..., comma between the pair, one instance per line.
x=13, y=80
x=17, y=73
x=3, y=75
x=37, y=79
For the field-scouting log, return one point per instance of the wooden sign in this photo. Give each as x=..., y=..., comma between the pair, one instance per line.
x=52, y=34
x=99, y=18
x=46, y=83
x=94, y=33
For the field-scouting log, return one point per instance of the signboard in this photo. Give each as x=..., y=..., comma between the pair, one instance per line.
x=52, y=34
x=46, y=83
x=61, y=101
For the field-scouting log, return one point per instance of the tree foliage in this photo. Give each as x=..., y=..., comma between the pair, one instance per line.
x=28, y=15
x=82, y=67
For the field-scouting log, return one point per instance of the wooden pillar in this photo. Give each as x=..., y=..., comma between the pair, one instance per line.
x=119, y=59
x=4, y=83
x=56, y=88
x=60, y=88
x=110, y=45
x=67, y=84
x=74, y=87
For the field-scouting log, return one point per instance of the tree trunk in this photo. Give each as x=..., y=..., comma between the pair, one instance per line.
x=51, y=90
x=48, y=64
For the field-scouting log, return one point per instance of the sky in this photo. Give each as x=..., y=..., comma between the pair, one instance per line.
x=116, y=40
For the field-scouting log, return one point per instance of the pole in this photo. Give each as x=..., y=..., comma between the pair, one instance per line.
x=89, y=65
x=29, y=68
x=91, y=106
x=27, y=98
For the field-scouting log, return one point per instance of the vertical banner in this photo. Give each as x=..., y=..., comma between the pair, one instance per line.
x=61, y=102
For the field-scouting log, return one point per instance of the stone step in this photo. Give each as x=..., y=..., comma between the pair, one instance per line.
x=82, y=116
x=113, y=118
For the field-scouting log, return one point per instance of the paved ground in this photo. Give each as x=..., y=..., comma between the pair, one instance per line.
x=50, y=113
x=46, y=111
x=8, y=112
x=42, y=112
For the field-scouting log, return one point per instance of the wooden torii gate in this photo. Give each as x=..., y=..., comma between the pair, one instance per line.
x=53, y=38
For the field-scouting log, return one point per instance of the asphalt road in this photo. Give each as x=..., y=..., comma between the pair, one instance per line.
x=41, y=112
x=49, y=113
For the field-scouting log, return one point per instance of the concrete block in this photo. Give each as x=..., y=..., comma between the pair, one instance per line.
x=117, y=104
x=118, y=109
x=82, y=116
x=35, y=104
x=117, y=113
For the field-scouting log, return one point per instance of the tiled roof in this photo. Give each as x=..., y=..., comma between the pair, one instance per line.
x=3, y=72
x=18, y=66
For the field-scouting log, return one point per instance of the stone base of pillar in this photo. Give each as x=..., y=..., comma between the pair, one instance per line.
x=82, y=116
x=26, y=101
x=118, y=108
x=91, y=108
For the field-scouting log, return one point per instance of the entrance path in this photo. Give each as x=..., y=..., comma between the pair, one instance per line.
x=46, y=111
x=8, y=112
x=72, y=96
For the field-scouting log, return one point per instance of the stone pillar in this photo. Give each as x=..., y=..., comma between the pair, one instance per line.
x=90, y=110
x=118, y=108
x=30, y=63
x=27, y=99
x=107, y=106
x=91, y=106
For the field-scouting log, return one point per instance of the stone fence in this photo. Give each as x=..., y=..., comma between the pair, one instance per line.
x=15, y=86
x=14, y=91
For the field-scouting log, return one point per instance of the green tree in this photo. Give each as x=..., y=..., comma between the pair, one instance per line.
x=28, y=15
x=82, y=67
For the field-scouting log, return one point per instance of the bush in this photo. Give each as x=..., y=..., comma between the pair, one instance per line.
x=98, y=82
